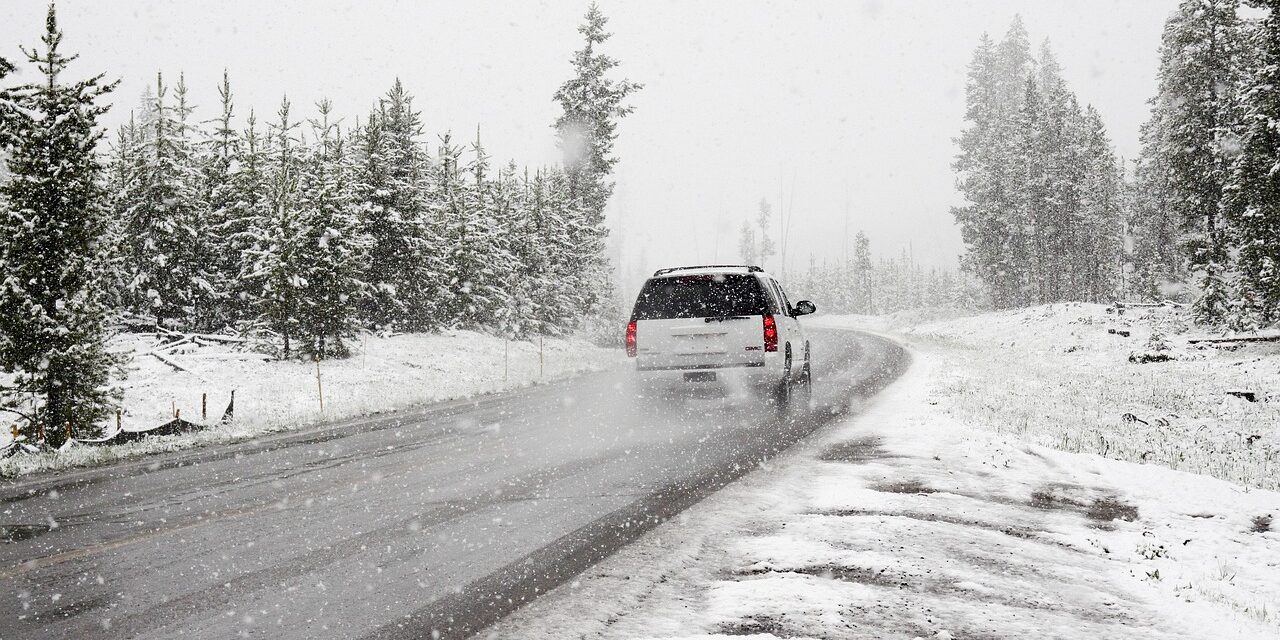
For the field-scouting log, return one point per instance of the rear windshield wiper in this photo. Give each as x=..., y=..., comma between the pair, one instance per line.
x=723, y=318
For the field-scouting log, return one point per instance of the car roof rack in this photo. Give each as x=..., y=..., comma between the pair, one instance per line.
x=749, y=267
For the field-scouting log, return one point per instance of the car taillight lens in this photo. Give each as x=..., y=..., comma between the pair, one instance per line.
x=631, y=339
x=770, y=334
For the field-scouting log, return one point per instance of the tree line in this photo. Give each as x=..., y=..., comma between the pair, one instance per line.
x=1205, y=213
x=315, y=232
x=293, y=225
x=1050, y=215
x=861, y=284
x=1043, y=220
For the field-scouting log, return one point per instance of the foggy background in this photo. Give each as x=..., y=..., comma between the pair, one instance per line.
x=842, y=113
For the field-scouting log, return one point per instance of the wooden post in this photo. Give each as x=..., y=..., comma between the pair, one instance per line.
x=229, y=414
x=40, y=430
x=177, y=414
x=204, y=407
x=68, y=430
x=541, y=360
x=319, y=385
x=173, y=408
x=118, y=428
x=505, y=347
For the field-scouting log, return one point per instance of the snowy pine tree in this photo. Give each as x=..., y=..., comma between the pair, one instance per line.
x=530, y=281
x=862, y=300
x=122, y=168
x=8, y=111
x=277, y=273
x=509, y=231
x=167, y=220
x=591, y=104
x=1042, y=183
x=763, y=216
x=1254, y=190
x=330, y=248
x=226, y=222
x=476, y=256
x=554, y=294
x=989, y=224
x=1193, y=138
x=577, y=264
x=748, y=249
x=53, y=315
x=1102, y=212
x=244, y=215
x=405, y=268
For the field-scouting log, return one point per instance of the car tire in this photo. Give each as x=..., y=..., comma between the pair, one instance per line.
x=782, y=394
x=805, y=395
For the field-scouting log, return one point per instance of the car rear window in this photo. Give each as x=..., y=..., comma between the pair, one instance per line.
x=700, y=296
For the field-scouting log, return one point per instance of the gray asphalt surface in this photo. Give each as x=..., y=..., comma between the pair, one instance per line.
x=440, y=519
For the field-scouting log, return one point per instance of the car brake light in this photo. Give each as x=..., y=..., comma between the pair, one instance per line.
x=770, y=334
x=631, y=339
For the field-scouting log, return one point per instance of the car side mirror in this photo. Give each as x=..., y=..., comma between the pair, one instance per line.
x=804, y=308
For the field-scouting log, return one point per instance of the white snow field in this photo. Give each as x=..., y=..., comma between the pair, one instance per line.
x=1054, y=375
x=928, y=516
x=385, y=374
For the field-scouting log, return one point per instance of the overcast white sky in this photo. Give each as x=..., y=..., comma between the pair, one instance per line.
x=847, y=106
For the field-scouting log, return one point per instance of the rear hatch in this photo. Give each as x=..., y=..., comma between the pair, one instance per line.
x=702, y=321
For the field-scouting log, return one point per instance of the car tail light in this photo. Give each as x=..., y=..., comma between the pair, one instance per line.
x=770, y=333
x=631, y=339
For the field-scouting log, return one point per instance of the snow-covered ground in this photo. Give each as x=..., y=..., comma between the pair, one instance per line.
x=926, y=517
x=385, y=374
x=1054, y=375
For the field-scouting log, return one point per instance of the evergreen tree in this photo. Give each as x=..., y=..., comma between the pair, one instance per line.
x=578, y=263
x=763, y=216
x=510, y=240
x=53, y=316
x=747, y=247
x=330, y=249
x=591, y=104
x=121, y=168
x=167, y=220
x=1159, y=262
x=221, y=149
x=405, y=265
x=244, y=217
x=1041, y=182
x=7, y=112
x=1194, y=138
x=862, y=266
x=555, y=296
x=476, y=255
x=278, y=270
x=1102, y=211
x=1254, y=194
x=990, y=224
x=1026, y=229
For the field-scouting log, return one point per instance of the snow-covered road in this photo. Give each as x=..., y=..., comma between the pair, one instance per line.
x=438, y=519
x=904, y=522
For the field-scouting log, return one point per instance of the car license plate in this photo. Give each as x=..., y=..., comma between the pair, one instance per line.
x=700, y=376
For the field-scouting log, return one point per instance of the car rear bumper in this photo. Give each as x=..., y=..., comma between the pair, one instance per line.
x=730, y=377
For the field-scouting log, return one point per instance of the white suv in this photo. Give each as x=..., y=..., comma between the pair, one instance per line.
x=728, y=326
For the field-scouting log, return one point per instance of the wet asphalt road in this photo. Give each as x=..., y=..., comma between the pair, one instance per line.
x=440, y=519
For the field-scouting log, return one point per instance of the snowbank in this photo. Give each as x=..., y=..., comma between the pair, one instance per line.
x=908, y=523
x=385, y=374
